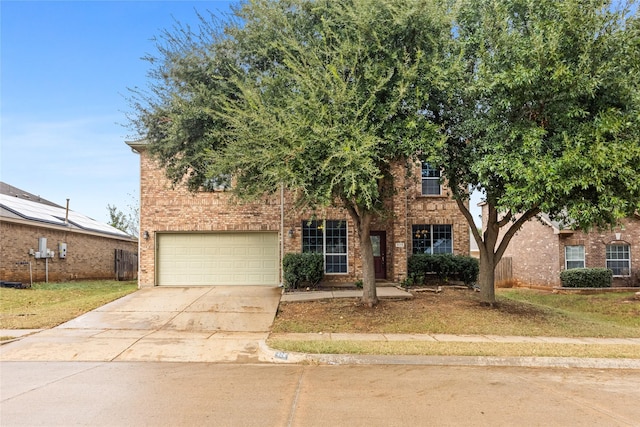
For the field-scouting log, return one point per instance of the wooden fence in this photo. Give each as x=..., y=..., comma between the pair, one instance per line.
x=126, y=265
x=503, y=270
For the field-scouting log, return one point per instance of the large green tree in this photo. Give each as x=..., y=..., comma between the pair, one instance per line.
x=535, y=102
x=320, y=97
x=543, y=114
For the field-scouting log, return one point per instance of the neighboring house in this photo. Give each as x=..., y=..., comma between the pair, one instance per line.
x=42, y=241
x=542, y=249
x=207, y=238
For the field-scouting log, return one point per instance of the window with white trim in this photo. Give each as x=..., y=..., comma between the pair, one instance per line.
x=432, y=239
x=574, y=256
x=430, y=180
x=619, y=259
x=329, y=238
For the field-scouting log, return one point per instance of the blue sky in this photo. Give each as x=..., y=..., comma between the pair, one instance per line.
x=66, y=67
x=65, y=70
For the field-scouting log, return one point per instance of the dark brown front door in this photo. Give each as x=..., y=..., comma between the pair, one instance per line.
x=379, y=242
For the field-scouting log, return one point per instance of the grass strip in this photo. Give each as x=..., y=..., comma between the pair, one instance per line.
x=46, y=305
x=421, y=348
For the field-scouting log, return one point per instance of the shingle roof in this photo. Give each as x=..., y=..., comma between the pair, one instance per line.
x=10, y=190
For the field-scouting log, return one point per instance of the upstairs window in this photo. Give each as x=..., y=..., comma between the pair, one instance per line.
x=574, y=257
x=430, y=180
x=432, y=239
x=218, y=183
x=330, y=239
x=619, y=260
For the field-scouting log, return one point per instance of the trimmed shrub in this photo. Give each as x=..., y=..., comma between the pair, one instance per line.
x=445, y=266
x=302, y=268
x=468, y=269
x=586, y=278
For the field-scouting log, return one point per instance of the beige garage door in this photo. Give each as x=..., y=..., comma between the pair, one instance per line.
x=189, y=259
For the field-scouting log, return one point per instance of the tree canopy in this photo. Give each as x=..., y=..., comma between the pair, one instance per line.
x=317, y=96
x=535, y=102
x=545, y=115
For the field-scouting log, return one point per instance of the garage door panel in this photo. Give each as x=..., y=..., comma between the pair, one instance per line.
x=218, y=259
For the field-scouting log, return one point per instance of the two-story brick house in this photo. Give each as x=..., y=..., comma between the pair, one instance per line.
x=208, y=238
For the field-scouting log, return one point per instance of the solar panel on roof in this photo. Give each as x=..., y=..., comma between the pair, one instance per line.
x=55, y=215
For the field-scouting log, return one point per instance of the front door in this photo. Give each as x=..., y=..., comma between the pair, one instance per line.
x=379, y=242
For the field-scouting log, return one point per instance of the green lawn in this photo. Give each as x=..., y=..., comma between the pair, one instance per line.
x=617, y=309
x=46, y=305
x=518, y=312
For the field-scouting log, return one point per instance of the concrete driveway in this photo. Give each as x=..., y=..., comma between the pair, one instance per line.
x=203, y=324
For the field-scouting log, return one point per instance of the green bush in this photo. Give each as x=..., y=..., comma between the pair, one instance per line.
x=445, y=266
x=302, y=268
x=586, y=278
x=468, y=269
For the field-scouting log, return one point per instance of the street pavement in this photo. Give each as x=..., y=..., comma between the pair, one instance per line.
x=218, y=394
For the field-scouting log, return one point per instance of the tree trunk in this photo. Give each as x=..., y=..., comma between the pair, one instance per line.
x=491, y=247
x=486, y=244
x=369, y=293
x=486, y=278
x=362, y=219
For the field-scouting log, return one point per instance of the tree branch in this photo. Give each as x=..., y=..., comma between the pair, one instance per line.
x=502, y=247
x=470, y=221
x=505, y=220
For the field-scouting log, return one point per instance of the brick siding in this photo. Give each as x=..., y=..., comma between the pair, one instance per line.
x=537, y=251
x=535, y=255
x=596, y=241
x=89, y=256
x=167, y=208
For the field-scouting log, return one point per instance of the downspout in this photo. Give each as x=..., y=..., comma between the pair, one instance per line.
x=281, y=233
x=406, y=222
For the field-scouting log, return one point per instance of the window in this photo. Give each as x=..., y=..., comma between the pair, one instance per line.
x=430, y=180
x=218, y=183
x=328, y=238
x=574, y=257
x=432, y=239
x=619, y=260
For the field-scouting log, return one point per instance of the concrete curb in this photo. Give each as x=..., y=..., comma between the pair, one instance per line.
x=269, y=355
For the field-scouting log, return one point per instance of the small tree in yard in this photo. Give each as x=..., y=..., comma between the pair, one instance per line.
x=127, y=222
x=320, y=97
x=543, y=113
